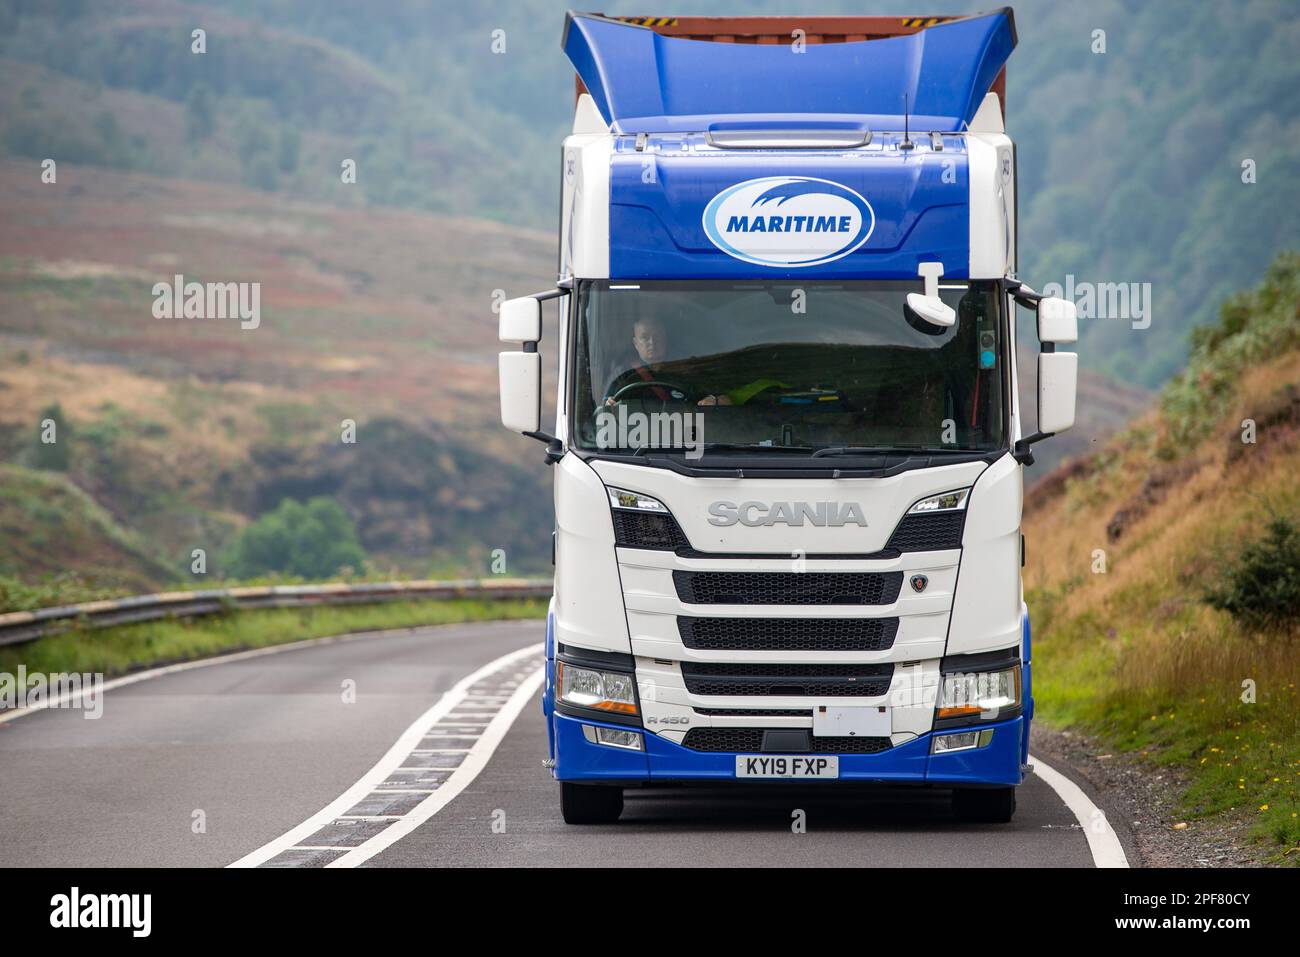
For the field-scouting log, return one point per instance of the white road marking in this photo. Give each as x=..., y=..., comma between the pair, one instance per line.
x=392, y=761
x=469, y=769
x=1107, y=851
x=13, y=715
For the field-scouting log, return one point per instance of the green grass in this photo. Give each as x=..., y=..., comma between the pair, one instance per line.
x=113, y=651
x=1118, y=683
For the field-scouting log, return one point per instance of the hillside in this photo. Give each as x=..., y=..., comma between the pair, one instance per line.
x=184, y=430
x=1126, y=548
x=1133, y=122
x=49, y=526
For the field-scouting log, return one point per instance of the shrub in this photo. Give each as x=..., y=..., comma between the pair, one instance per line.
x=314, y=540
x=1262, y=588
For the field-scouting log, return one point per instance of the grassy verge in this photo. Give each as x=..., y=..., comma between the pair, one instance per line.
x=1188, y=691
x=120, y=649
x=1128, y=548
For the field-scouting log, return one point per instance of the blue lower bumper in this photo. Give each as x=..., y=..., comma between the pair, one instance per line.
x=997, y=763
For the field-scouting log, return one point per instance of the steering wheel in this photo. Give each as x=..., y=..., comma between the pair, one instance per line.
x=687, y=393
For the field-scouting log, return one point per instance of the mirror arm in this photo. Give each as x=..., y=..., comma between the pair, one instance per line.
x=1022, y=452
x=554, y=447
x=1023, y=295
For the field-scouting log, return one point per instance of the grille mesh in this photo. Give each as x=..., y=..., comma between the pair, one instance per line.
x=751, y=740
x=755, y=712
x=787, y=634
x=929, y=532
x=787, y=588
x=647, y=530
x=746, y=678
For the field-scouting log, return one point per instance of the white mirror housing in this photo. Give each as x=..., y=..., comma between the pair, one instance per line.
x=932, y=309
x=1058, y=321
x=521, y=388
x=1058, y=383
x=521, y=320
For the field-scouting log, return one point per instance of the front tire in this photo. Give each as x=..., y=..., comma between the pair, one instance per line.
x=590, y=803
x=984, y=805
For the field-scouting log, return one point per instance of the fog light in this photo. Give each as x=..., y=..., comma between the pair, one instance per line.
x=612, y=737
x=962, y=741
x=617, y=738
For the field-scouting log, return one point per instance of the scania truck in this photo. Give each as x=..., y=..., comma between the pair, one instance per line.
x=788, y=445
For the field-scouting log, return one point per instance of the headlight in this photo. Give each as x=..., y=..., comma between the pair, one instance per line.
x=622, y=498
x=601, y=690
x=970, y=695
x=943, y=502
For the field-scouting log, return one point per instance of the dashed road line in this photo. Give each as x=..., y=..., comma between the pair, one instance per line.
x=324, y=831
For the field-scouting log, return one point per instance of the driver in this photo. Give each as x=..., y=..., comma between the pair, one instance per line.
x=650, y=340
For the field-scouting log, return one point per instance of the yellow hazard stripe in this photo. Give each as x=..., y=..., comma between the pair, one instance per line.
x=650, y=21
x=922, y=21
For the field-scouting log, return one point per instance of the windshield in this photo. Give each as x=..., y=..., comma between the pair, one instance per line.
x=794, y=367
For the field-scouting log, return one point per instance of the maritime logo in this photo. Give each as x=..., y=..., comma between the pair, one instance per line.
x=788, y=221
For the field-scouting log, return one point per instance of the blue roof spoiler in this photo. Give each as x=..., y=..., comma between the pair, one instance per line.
x=643, y=82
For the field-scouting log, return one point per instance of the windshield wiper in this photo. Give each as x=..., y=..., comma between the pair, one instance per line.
x=881, y=450
x=752, y=447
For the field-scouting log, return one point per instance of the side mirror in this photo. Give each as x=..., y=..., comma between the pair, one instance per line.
x=1058, y=383
x=521, y=389
x=1058, y=372
x=521, y=320
x=929, y=314
x=1058, y=321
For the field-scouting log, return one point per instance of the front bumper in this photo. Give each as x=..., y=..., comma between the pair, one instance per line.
x=995, y=764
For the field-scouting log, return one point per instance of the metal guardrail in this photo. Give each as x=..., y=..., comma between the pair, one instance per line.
x=17, y=627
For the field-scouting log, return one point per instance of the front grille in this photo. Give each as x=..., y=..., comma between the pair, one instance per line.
x=787, y=588
x=787, y=634
x=755, y=712
x=929, y=532
x=828, y=680
x=648, y=530
x=750, y=740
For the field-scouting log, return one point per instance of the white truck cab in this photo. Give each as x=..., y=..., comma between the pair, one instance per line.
x=788, y=449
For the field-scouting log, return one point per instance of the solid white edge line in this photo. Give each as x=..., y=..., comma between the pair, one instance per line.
x=1103, y=842
x=386, y=765
x=137, y=676
x=460, y=779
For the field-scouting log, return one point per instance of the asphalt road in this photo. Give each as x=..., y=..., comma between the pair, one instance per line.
x=279, y=769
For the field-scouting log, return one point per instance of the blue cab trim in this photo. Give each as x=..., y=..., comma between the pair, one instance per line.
x=912, y=209
x=997, y=763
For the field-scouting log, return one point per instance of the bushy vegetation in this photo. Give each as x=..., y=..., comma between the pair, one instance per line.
x=50, y=592
x=1261, y=588
x=1253, y=325
x=314, y=539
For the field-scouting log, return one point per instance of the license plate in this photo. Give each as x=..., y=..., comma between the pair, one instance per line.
x=787, y=766
x=863, y=722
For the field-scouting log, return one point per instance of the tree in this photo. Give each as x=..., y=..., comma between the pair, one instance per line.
x=313, y=540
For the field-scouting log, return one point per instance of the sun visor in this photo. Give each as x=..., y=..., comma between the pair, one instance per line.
x=642, y=82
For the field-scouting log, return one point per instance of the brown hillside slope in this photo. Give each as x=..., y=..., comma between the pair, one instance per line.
x=1124, y=546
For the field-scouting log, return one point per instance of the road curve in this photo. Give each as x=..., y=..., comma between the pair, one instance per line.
x=261, y=745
